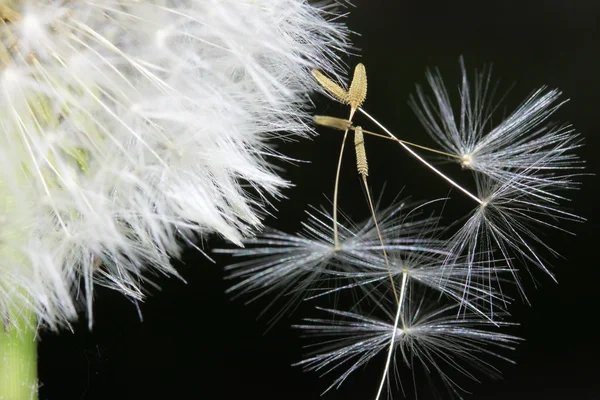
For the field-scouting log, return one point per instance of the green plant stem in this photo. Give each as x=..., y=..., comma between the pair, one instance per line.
x=18, y=357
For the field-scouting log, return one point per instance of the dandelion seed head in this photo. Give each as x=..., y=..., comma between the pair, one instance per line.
x=127, y=126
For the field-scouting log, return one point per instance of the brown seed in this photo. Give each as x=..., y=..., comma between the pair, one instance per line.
x=358, y=88
x=333, y=88
x=332, y=122
x=361, y=154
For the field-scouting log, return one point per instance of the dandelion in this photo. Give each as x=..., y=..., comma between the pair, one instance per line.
x=127, y=126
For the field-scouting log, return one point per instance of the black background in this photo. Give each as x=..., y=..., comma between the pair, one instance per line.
x=195, y=342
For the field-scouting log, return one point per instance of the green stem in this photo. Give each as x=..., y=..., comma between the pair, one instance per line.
x=18, y=357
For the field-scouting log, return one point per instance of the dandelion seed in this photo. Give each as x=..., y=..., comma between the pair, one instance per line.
x=332, y=122
x=520, y=168
x=338, y=92
x=361, y=155
x=358, y=88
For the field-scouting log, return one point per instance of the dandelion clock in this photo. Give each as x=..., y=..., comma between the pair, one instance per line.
x=129, y=128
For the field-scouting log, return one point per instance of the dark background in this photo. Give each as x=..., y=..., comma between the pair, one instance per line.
x=195, y=342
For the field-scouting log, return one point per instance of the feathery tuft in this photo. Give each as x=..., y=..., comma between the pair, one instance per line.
x=522, y=142
x=129, y=126
x=435, y=341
